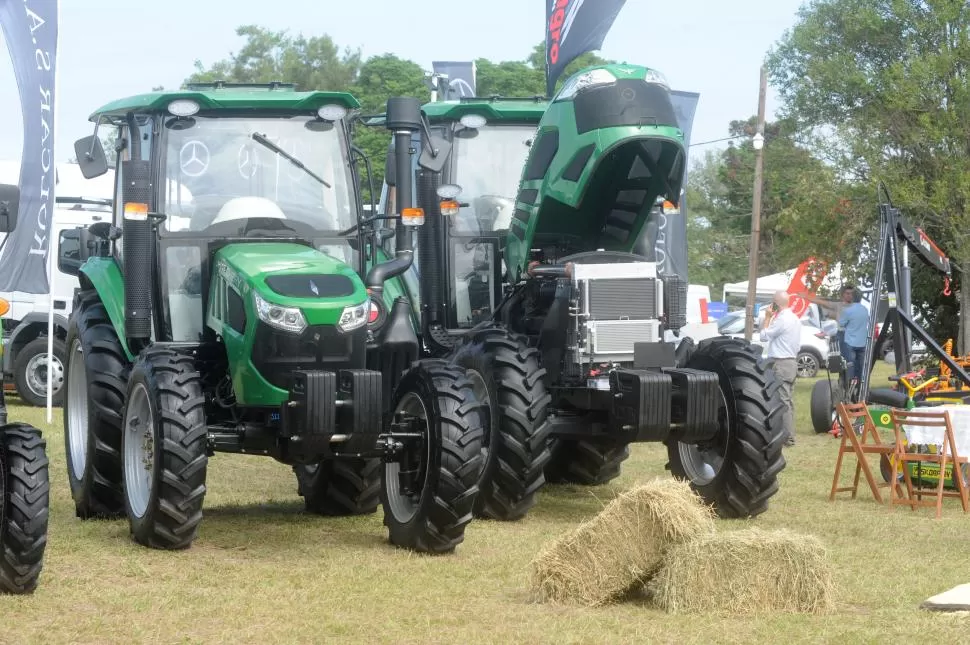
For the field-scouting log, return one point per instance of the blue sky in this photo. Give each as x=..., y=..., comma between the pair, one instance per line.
x=108, y=49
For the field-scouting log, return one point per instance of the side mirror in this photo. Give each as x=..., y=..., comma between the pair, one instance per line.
x=72, y=250
x=9, y=206
x=90, y=156
x=435, y=163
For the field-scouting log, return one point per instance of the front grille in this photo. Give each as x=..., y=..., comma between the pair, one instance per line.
x=276, y=353
x=612, y=299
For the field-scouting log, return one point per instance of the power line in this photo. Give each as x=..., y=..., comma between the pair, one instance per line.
x=704, y=143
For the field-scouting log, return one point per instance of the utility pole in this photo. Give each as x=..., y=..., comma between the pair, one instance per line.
x=759, y=162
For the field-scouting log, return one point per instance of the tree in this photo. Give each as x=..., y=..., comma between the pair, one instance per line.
x=313, y=63
x=891, y=84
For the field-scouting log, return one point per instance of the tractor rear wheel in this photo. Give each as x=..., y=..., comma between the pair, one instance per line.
x=590, y=462
x=506, y=376
x=737, y=471
x=443, y=467
x=164, y=448
x=340, y=486
x=94, y=394
x=25, y=498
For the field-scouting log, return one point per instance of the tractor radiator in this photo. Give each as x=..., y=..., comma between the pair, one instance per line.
x=617, y=305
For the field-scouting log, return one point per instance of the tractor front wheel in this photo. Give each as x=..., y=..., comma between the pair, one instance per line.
x=25, y=499
x=736, y=471
x=94, y=394
x=338, y=487
x=506, y=375
x=164, y=450
x=429, y=489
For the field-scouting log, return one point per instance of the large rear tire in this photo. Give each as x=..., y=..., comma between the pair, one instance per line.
x=25, y=495
x=737, y=471
x=506, y=375
x=432, y=516
x=339, y=487
x=164, y=449
x=94, y=395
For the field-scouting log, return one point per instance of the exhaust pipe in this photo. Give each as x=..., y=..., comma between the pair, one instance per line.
x=137, y=243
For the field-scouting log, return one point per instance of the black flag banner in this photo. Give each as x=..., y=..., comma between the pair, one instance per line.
x=574, y=27
x=30, y=31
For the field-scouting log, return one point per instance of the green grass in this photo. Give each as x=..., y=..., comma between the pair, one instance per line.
x=262, y=571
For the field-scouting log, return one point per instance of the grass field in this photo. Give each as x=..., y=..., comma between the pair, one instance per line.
x=263, y=571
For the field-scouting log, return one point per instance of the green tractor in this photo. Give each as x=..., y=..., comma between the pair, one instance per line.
x=24, y=483
x=569, y=334
x=240, y=302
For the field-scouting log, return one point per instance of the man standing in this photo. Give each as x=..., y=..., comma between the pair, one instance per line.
x=854, y=322
x=782, y=331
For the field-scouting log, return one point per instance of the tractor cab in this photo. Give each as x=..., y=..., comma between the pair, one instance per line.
x=227, y=164
x=471, y=200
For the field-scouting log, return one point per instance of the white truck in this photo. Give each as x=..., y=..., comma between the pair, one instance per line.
x=79, y=202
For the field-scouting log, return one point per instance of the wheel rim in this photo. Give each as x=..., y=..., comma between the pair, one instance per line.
x=36, y=375
x=703, y=462
x=807, y=366
x=404, y=507
x=77, y=411
x=481, y=393
x=139, y=450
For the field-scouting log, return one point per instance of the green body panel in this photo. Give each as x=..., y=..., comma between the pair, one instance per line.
x=493, y=111
x=109, y=282
x=230, y=98
x=581, y=207
x=244, y=269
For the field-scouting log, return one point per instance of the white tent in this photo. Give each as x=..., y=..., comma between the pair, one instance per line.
x=769, y=284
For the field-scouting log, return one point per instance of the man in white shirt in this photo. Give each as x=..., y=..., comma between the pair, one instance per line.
x=782, y=330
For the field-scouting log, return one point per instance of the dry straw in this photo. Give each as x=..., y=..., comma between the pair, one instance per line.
x=606, y=556
x=745, y=572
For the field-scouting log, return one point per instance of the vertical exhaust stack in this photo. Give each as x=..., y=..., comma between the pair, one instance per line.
x=403, y=119
x=137, y=243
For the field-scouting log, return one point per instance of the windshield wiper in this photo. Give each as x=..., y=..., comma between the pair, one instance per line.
x=262, y=140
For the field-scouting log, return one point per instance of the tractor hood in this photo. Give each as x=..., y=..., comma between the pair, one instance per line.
x=606, y=150
x=281, y=276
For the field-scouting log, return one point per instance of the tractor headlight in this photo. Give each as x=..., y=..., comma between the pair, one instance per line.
x=577, y=84
x=286, y=318
x=354, y=316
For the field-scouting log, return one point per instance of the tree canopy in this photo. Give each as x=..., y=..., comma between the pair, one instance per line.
x=888, y=91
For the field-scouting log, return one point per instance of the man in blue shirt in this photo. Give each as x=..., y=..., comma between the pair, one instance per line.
x=854, y=322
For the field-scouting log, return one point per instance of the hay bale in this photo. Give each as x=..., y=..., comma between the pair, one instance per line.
x=745, y=572
x=606, y=556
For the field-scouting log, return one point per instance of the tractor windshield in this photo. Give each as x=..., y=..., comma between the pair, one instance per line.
x=488, y=165
x=251, y=176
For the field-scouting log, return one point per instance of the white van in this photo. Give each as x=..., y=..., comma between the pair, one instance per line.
x=79, y=202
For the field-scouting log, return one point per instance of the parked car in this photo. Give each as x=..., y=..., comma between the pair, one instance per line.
x=814, y=349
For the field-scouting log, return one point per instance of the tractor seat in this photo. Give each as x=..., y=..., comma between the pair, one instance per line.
x=247, y=208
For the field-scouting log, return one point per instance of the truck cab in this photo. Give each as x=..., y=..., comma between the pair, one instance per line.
x=79, y=202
